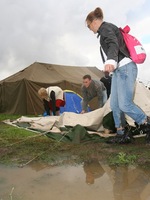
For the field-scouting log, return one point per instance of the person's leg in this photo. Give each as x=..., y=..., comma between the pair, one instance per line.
x=126, y=78
x=57, y=111
x=46, y=106
x=114, y=101
x=51, y=113
x=118, y=115
x=53, y=101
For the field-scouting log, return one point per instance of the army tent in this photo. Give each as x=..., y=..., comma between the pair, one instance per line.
x=18, y=93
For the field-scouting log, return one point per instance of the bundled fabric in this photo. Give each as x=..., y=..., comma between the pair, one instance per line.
x=76, y=135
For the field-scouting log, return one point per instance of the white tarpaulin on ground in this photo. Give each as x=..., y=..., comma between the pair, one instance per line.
x=91, y=120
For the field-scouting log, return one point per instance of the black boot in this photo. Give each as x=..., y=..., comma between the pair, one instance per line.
x=147, y=138
x=125, y=138
x=145, y=128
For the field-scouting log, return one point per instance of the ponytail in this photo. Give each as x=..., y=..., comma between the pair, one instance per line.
x=96, y=14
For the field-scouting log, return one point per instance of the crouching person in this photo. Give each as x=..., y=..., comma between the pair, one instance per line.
x=90, y=89
x=53, y=99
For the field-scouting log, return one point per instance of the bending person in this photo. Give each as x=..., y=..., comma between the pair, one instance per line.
x=53, y=99
x=90, y=89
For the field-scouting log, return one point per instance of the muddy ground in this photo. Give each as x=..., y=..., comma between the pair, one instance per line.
x=21, y=147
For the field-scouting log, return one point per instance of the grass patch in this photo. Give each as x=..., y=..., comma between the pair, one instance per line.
x=19, y=146
x=123, y=159
x=11, y=117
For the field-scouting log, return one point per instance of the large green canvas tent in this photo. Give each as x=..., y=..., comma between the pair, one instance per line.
x=18, y=93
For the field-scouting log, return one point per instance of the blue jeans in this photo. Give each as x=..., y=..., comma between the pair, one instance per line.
x=122, y=93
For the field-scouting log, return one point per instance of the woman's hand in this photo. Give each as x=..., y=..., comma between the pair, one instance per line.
x=109, y=68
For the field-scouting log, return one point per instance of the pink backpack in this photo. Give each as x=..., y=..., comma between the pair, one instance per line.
x=135, y=48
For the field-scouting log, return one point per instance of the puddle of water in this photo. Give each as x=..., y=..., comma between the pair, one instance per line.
x=90, y=181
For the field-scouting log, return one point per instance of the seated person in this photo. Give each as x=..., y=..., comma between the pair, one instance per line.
x=90, y=89
x=53, y=99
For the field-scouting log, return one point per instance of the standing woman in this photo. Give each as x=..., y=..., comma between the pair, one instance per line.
x=124, y=76
x=53, y=99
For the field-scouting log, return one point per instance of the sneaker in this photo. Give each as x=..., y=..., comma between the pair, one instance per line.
x=148, y=120
x=146, y=130
x=119, y=139
x=147, y=138
x=137, y=130
x=123, y=136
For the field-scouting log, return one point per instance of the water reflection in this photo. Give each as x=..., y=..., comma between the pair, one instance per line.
x=91, y=181
x=93, y=170
x=130, y=184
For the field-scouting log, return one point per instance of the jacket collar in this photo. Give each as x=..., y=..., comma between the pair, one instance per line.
x=99, y=30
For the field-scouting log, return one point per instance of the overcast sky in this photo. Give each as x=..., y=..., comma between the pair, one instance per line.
x=54, y=31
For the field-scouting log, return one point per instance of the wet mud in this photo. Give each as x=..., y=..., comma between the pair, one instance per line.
x=90, y=180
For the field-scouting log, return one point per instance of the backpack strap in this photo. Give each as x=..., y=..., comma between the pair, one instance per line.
x=102, y=55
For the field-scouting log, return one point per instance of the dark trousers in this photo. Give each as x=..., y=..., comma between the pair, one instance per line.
x=47, y=108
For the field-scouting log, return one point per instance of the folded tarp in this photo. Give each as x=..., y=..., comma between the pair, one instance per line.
x=76, y=135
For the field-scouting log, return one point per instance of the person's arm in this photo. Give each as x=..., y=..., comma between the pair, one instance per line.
x=84, y=102
x=100, y=88
x=109, y=37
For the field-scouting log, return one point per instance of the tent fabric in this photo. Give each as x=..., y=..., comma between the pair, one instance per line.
x=18, y=93
x=73, y=102
x=141, y=99
x=76, y=135
x=92, y=120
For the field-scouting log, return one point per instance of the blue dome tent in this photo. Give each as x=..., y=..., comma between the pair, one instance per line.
x=73, y=102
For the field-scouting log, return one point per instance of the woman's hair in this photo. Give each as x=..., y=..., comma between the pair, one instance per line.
x=96, y=14
x=42, y=92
